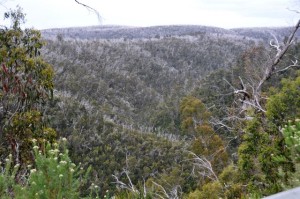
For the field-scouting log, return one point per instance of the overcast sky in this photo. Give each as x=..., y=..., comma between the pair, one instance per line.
x=42, y=14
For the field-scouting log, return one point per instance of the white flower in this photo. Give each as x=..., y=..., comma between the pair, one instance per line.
x=64, y=139
x=32, y=170
x=33, y=183
x=56, y=150
x=16, y=166
x=63, y=162
x=71, y=170
x=61, y=175
x=34, y=140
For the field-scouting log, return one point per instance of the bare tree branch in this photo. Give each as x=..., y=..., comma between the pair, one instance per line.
x=295, y=64
x=270, y=69
x=2, y=4
x=90, y=9
x=256, y=105
x=296, y=11
x=123, y=185
x=162, y=189
x=204, y=166
x=276, y=45
x=250, y=92
x=173, y=194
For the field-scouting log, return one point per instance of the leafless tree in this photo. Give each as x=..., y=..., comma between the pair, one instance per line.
x=129, y=186
x=250, y=91
x=160, y=192
x=203, y=167
x=164, y=194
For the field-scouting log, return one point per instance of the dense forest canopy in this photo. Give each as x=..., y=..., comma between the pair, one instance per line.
x=158, y=112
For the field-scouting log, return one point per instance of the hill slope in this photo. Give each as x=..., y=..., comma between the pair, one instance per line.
x=134, y=80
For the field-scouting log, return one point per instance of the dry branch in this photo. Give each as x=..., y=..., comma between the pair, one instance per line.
x=90, y=9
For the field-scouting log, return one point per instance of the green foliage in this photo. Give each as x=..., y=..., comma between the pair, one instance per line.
x=230, y=179
x=256, y=166
x=264, y=154
x=192, y=113
x=52, y=176
x=127, y=194
x=291, y=133
x=212, y=190
x=228, y=186
x=285, y=103
x=110, y=148
x=138, y=82
x=26, y=84
x=206, y=143
x=7, y=178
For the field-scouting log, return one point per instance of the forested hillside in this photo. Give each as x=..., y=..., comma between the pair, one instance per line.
x=157, y=112
x=135, y=81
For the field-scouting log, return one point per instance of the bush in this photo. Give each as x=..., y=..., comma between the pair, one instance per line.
x=53, y=175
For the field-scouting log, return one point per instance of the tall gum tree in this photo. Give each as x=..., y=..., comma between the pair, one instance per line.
x=26, y=84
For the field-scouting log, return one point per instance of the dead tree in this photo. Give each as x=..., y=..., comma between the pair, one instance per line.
x=250, y=93
x=204, y=167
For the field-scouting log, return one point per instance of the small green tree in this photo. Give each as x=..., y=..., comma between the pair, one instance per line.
x=208, y=150
x=284, y=104
x=52, y=176
x=291, y=134
x=192, y=113
x=255, y=164
x=264, y=153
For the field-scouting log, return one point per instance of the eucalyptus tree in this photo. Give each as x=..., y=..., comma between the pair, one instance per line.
x=26, y=86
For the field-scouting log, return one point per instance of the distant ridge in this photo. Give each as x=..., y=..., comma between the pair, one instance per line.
x=265, y=33
x=129, y=32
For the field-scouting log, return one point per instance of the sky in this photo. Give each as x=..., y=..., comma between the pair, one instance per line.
x=44, y=14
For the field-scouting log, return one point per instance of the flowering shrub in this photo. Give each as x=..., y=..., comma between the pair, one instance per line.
x=53, y=175
x=291, y=133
